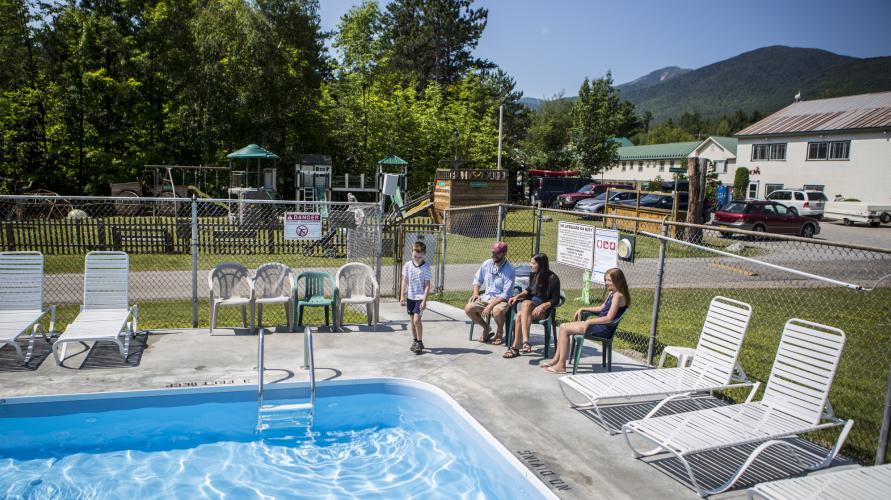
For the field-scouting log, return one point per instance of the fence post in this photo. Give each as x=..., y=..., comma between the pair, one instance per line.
x=500, y=219
x=538, y=229
x=882, y=449
x=380, y=231
x=657, y=294
x=194, y=262
x=442, y=260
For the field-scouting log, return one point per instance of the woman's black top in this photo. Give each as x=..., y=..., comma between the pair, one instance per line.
x=551, y=291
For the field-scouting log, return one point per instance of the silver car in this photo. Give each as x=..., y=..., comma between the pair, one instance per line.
x=596, y=204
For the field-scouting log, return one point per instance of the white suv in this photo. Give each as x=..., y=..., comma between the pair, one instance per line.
x=807, y=203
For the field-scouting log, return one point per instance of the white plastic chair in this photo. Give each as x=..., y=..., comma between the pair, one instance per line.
x=105, y=314
x=356, y=285
x=862, y=483
x=272, y=284
x=796, y=401
x=229, y=284
x=21, y=300
x=714, y=367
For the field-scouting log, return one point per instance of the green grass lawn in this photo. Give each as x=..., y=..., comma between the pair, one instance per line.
x=859, y=388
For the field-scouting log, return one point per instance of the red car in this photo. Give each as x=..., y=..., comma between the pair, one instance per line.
x=567, y=201
x=765, y=216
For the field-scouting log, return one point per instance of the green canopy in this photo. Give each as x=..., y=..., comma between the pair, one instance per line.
x=392, y=160
x=252, y=151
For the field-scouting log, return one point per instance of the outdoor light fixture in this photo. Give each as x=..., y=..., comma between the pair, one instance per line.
x=625, y=248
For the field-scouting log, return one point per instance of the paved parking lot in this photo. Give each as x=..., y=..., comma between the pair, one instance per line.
x=858, y=234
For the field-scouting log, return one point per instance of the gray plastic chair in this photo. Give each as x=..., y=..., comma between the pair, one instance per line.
x=229, y=284
x=272, y=284
x=356, y=285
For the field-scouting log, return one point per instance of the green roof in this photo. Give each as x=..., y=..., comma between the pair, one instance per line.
x=728, y=142
x=252, y=151
x=658, y=151
x=392, y=160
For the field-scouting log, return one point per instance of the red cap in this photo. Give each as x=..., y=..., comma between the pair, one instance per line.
x=499, y=247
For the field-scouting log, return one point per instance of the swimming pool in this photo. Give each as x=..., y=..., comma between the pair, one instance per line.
x=371, y=438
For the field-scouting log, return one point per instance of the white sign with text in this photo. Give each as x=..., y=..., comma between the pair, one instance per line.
x=575, y=245
x=606, y=242
x=303, y=226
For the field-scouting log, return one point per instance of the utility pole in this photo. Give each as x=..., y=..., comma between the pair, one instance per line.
x=500, y=119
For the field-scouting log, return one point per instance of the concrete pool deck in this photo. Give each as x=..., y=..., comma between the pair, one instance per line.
x=519, y=404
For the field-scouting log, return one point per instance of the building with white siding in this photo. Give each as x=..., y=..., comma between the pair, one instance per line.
x=841, y=146
x=645, y=163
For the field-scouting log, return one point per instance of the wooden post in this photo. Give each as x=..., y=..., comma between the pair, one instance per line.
x=10, y=237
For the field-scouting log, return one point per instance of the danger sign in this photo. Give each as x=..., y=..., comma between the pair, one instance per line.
x=303, y=226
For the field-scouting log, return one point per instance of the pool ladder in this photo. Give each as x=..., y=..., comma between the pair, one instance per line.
x=286, y=415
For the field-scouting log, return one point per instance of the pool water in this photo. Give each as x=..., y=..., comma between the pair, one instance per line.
x=375, y=439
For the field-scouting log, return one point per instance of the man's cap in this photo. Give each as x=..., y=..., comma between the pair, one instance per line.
x=499, y=247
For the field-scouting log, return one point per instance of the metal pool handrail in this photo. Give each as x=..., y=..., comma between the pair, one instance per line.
x=260, y=368
x=309, y=363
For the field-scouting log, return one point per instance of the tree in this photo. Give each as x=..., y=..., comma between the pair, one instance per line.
x=740, y=183
x=597, y=118
x=656, y=184
x=433, y=40
x=547, y=138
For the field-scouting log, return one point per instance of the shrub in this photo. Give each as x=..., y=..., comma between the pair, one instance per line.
x=740, y=183
x=656, y=184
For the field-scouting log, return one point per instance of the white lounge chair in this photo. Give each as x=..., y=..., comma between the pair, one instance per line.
x=714, y=368
x=229, y=284
x=862, y=483
x=105, y=314
x=21, y=300
x=272, y=284
x=356, y=285
x=795, y=402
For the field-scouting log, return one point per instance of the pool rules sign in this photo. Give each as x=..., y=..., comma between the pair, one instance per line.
x=303, y=226
x=575, y=245
x=606, y=243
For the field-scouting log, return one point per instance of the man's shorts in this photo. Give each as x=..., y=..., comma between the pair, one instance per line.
x=413, y=306
x=479, y=305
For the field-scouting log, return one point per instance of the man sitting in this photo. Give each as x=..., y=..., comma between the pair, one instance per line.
x=496, y=276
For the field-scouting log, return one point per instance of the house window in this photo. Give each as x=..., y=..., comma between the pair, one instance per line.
x=662, y=166
x=721, y=166
x=769, y=152
x=769, y=188
x=640, y=166
x=813, y=187
x=826, y=150
x=624, y=167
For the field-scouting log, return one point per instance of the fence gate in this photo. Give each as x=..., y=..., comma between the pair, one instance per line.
x=408, y=234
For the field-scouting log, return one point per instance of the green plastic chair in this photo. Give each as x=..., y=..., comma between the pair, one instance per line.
x=550, y=324
x=508, y=318
x=606, y=344
x=314, y=294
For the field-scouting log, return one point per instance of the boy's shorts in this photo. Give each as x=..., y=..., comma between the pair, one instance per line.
x=413, y=306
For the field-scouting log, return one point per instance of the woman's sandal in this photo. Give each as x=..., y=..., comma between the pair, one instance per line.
x=526, y=348
x=511, y=352
x=550, y=369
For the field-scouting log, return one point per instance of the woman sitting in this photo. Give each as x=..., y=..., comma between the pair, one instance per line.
x=617, y=300
x=542, y=295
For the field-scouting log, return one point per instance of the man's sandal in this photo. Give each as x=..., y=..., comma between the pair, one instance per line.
x=511, y=352
x=486, y=337
x=497, y=341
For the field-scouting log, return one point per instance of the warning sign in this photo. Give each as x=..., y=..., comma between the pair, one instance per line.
x=575, y=245
x=303, y=226
x=605, y=255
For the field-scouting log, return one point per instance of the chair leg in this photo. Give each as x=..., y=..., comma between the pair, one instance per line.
x=578, y=343
x=243, y=316
x=368, y=313
x=259, y=315
x=299, y=315
x=251, y=330
x=547, y=339
x=326, y=315
x=213, y=317
x=288, y=318
x=470, y=335
x=609, y=353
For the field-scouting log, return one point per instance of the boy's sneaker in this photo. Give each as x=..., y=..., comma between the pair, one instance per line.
x=420, y=349
x=414, y=346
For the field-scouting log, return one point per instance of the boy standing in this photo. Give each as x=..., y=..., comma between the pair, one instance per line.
x=416, y=278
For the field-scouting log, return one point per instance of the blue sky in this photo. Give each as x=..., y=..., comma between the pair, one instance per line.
x=550, y=46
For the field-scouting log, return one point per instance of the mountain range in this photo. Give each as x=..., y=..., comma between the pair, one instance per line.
x=764, y=79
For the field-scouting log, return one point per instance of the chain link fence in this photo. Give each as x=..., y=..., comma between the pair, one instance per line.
x=173, y=245
x=782, y=277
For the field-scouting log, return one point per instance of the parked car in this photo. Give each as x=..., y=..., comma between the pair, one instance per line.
x=809, y=203
x=765, y=216
x=567, y=201
x=660, y=201
x=546, y=189
x=597, y=203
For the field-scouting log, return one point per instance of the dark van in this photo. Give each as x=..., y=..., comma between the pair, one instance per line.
x=547, y=189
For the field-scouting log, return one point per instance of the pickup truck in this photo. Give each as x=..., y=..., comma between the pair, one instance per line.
x=850, y=212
